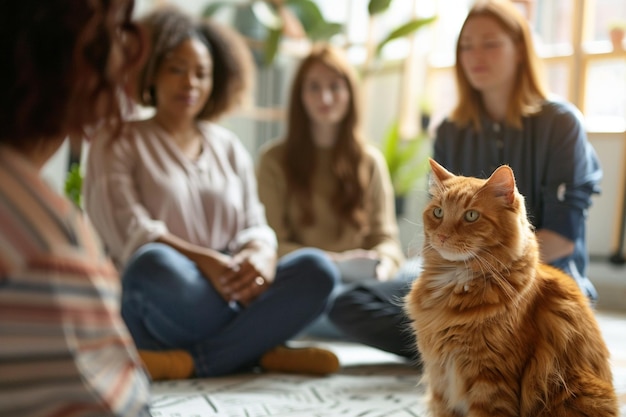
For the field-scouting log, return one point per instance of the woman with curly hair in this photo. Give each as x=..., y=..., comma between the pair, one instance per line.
x=175, y=201
x=64, y=347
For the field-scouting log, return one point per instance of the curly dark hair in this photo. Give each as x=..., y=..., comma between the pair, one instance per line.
x=233, y=66
x=55, y=75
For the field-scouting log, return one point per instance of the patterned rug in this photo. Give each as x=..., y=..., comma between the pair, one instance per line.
x=290, y=395
x=371, y=383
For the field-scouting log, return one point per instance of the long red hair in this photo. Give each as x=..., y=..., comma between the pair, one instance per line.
x=348, y=153
x=528, y=91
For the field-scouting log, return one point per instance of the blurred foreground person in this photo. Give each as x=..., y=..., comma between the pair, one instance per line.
x=64, y=349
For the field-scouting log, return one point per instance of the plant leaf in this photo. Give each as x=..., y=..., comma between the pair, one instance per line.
x=413, y=168
x=271, y=46
x=378, y=6
x=74, y=184
x=325, y=31
x=406, y=179
x=267, y=15
x=312, y=19
x=406, y=159
x=307, y=12
x=404, y=30
x=390, y=146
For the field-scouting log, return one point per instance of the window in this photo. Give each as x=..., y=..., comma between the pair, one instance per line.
x=572, y=37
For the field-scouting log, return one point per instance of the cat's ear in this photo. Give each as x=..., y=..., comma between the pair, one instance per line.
x=439, y=175
x=502, y=182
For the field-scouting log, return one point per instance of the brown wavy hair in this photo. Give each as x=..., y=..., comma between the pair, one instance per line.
x=528, y=91
x=299, y=163
x=50, y=51
x=233, y=66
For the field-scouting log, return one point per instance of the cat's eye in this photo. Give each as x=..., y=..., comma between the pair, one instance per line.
x=438, y=212
x=471, y=215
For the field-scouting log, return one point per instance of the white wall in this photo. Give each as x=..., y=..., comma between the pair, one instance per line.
x=191, y=6
x=55, y=169
x=605, y=214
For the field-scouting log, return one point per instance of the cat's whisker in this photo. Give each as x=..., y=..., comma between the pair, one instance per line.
x=497, y=276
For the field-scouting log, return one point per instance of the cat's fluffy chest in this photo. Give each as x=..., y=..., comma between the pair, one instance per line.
x=457, y=280
x=452, y=341
x=457, y=286
x=457, y=301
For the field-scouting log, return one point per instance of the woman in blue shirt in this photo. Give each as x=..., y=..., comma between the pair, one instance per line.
x=557, y=168
x=503, y=116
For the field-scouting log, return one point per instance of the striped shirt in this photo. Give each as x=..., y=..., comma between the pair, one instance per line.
x=64, y=350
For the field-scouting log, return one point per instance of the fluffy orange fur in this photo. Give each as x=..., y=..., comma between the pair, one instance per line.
x=501, y=334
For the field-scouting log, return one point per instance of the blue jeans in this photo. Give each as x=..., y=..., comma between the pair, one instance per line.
x=338, y=322
x=168, y=304
x=372, y=312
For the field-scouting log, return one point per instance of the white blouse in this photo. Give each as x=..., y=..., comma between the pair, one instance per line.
x=140, y=186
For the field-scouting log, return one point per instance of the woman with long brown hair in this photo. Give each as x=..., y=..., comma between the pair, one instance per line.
x=322, y=185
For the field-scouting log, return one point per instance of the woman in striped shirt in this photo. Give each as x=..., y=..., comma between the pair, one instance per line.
x=64, y=349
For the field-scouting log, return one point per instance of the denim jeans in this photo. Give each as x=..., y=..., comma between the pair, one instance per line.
x=372, y=312
x=168, y=304
x=338, y=322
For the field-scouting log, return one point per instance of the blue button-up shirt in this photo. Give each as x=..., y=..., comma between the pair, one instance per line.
x=555, y=166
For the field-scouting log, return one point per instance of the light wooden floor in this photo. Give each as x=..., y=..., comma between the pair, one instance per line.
x=613, y=325
x=610, y=281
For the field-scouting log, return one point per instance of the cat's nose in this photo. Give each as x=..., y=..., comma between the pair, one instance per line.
x=442, y=238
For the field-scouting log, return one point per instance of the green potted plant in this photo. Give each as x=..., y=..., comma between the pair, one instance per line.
x=407, y=161
x=74, y=184
x=266, y=22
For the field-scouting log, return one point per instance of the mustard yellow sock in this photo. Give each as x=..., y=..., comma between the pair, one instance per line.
x=309, y=360
x=167, y=364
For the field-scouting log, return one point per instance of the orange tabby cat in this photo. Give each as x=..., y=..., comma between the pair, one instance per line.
x=499, y=333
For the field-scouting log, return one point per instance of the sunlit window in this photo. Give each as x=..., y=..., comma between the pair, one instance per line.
x=605, y=98
x=552, y=21
x=572, y=37
x=558, y=78
x=601, y=15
